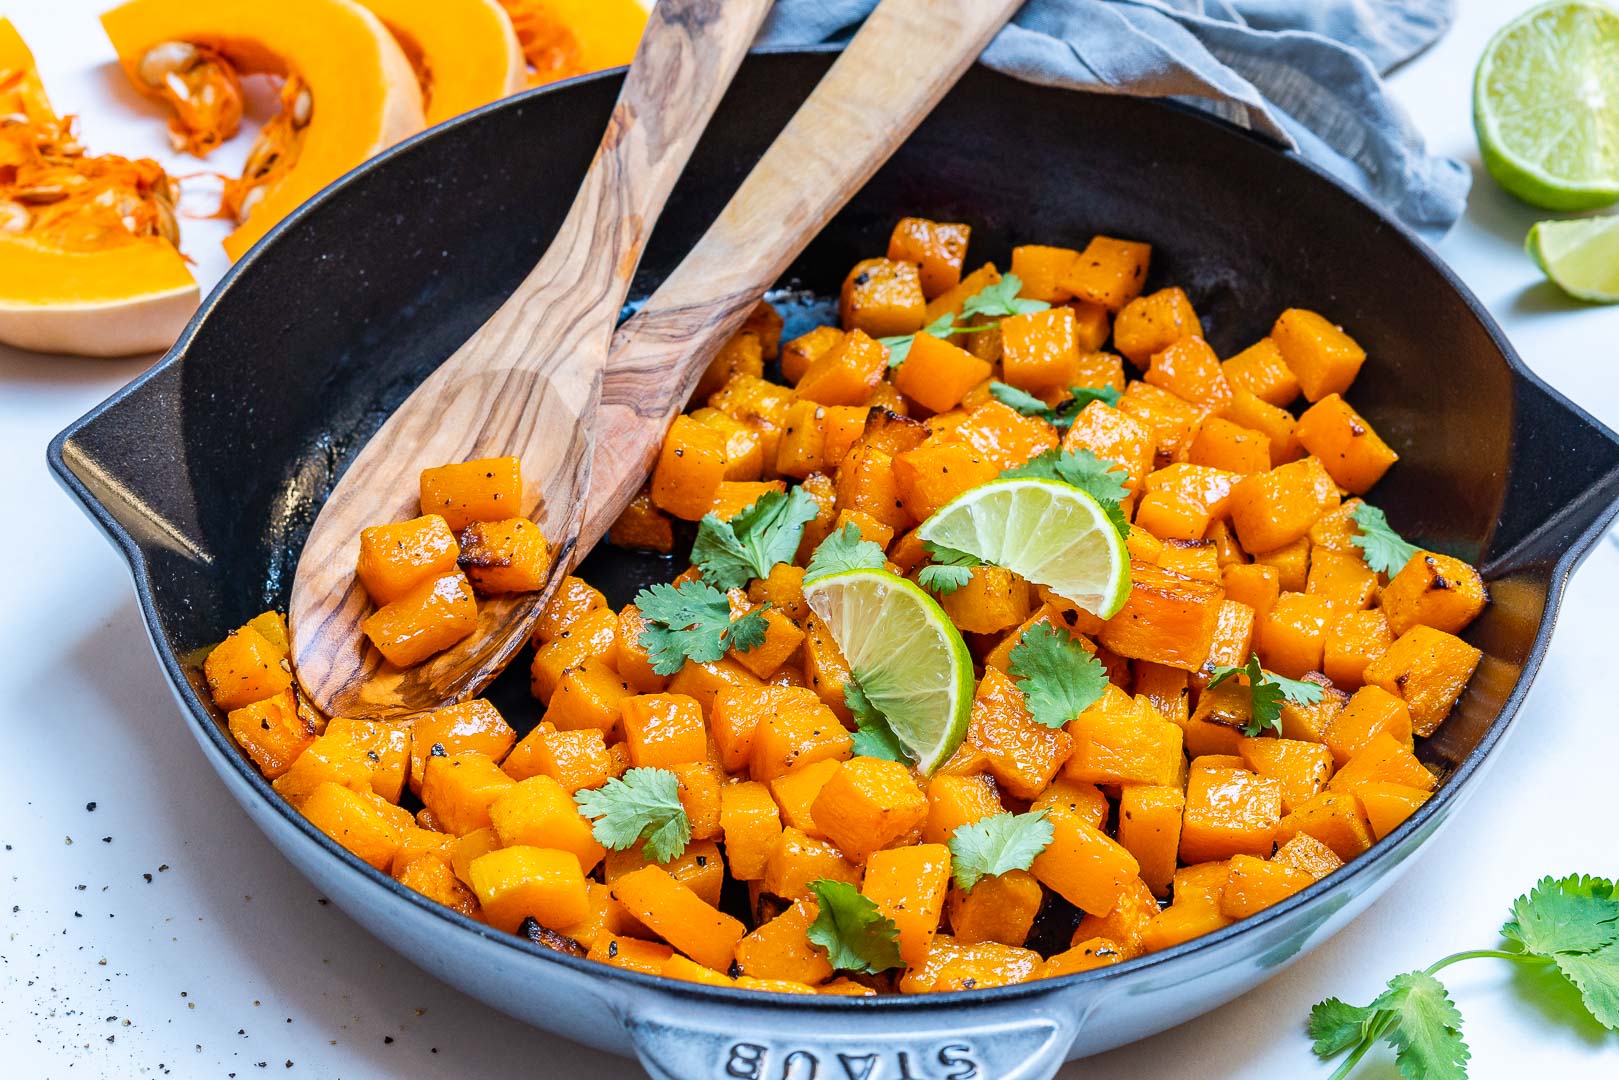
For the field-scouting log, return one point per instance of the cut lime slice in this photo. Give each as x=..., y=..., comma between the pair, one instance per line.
x=1044, y=531
x=1581, y=256
x=1546, y=106
x=905, y=654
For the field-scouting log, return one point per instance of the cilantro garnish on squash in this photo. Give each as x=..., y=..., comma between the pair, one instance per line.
x=997, y=845
x=692, y=621
x=855, y=934
x=643, y=805
x=1267, y=690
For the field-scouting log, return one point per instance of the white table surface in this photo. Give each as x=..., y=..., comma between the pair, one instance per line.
x=225, y=962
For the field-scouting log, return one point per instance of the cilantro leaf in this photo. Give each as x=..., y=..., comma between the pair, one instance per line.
x=844, y=550
x=1000, y=300
x=692, y=621
x=1058, y=676
x=949, y=571
x=643, y=805
x=1100, y=478
x=1574, y=922
x=1596, y=975
x=1267, y=691
x=855, y=934
x=873, y=737
x=1383, y=549
x=1060, y=416
x=732, y=553
x=1427, y=1030
x=899, y=346
x=996, y=845
x=1336, y=1026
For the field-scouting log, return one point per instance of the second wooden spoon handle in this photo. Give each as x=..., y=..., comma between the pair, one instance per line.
x=891, y=75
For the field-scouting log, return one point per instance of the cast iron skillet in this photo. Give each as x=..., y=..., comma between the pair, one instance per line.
x=206, y=473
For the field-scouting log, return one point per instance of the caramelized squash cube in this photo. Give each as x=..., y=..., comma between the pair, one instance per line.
x=1150, y=324
x=1150, y=830
x=1115, y=436
x=1354, y=640
x=1229, y=812
x=1389, y=804
x=662, y=730
x=1260, y=370
x=691, y=466
x=781, y=948
x=1293, y=635
x=1335, y=819
x=504, y=556
x=1256, y=884
x=1304, y=852
x=1085, y=866
x=468, y=727
x=798, y=735
x=1302, y=768
x=1167, y=619
x=517, y=883
x=798, y=354
x=883, y=298
x=642, y=526
x=908, y=885
x=1349, y=449
x=273, y=732
x=1427, y=668
x=460, y=789
x=1325, y=359
x=1189, y=369
x=796, y=792
x=540, y=812
x=1371, y=709
x=938, y=249
x=1022, y=754
x=750, y=822
x=938, y=471
x=1385, y=758
x=937, y=374
x=679, y=916
x=574, y=599
x=1172, y=420
x=1138, y=747
x=1082, y=799
x=954, y=801
x=575, y=759
x=1221, y=444
x=487, y=489
x=244, y=668
x=867, y=804
x=1040, y=350
x=1276, y=424
x=394, y=559
x=798, y=860
x=362, y=823
x=1277, y=507
x=1433, y=590
x=1000, y=908
x=1108, y=272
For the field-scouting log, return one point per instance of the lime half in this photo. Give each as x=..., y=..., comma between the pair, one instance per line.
x=1581, y=256
x=906, y=655
x=1045, y=531
x=1546, y=106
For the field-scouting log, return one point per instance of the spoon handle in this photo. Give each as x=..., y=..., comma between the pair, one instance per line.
x=891, y=75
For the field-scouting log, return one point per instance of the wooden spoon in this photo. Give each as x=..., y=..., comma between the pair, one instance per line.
x=526, y=384
x=904, y=59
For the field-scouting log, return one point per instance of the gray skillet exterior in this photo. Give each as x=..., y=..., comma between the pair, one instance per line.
x=206, y=471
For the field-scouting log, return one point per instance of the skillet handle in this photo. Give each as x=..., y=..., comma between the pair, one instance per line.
x=1025, y=1039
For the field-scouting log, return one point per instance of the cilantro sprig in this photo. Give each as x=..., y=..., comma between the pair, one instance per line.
x=997, y=845
x=844, y=550
x=733, y=553
x=1267, y=690
x=873, y=737
x=1058, y=676
x=692, y=621
x=949, y=569
x=996, y=301
x=856, y=935
x=1100, y=478
x=1384, y=550
x=1060, y=416
x=643, y=805
x=1570, y=924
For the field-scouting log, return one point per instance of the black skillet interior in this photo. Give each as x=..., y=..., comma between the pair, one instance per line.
x=215, y=464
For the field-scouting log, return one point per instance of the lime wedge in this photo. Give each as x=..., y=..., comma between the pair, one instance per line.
x=906, y=655
x=1581, y=256
x=1546, y=106
x=1044, y=531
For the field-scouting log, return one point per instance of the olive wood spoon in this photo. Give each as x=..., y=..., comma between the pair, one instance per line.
x=902, y=61
x=525, y=384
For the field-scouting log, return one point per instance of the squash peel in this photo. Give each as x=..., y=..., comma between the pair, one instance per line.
x=88, y=256
x=349, y=89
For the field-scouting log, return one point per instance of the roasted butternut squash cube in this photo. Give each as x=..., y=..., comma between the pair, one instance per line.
x=1189, y=369
x=1091, y=329
x=1150, y=324
x=883, y=298
x=1293, y=635
x=1276, y=424
x=427, y=620
x=825, y=667
x=334, y=759
x=1167, y=619
x=1255, y=584
x=954, y=801
x=744, y=444
x=1229, y=812
x=691, y=466
x=434, y=879
x=1349, y=449
x=272, y=626
x=937, y=374
x=1170, y=515
x=642, y=526
x=700, y=868
x=1354, y=640
x=273, y=732
x=1304, y=852
x=504, y=556
x=1221, y=444
x=798, y=354
x=953, y=965
x=1302, y=768
x=705, y=682
x=1233, y=636
x=1172, y=420
x=1167, y=689
x=1084, y=865
x=866, y=483
x=750, y=822
x=1000, y=908
x=588, y=696
x=766, y=323
x=679, y=916
x=938, y=249
x=1135, y=747
x=1180, y=923
x=938, y=471
x=662, y=730
x=741, y=354
x=781, y=643
x=361, y=822
x=460, y=788
x=468, y=727
x=1273, y=508
x=781, y=949
x=1088, y=955
x=796, y=792
x=1433, y=590
x=1429, y=669
x=867, y=804
x=1108, y=272
x=1291, y=562
x=993, y=599
x=487, y=489
x=1042, y=270
x=817, y=437
x=1022, y=754
x=386, y=746
x=1325, y=359
x=540, y=812
x=593, y=636
x=1216, y=725
x=394, y=559
x=1040, y=350
x=1342, y=579
x=1388, y=804
x=631, y=954
x=1123, y=925
x=798, y=860
x=1256, y=884
x=758, y=403
x=954, y=298
x=1150, y=829
x=908, y=885
x=574, y=599
x=1310, y=722
x=1078, y=797
x=1371, y=709
x=575, y=759
x=1003, y=434
x=515, y=883
x=1382, y=758
x=1335, y=819
x=1260, y=370
x=797, y=735
x=1115, y=436
x=734, y=496
x=244, y=668
x=736, y=714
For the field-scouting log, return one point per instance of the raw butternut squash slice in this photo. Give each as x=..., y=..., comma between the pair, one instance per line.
x=564, y=38
x=464, y=52
x=349, y=90
x=88, y=262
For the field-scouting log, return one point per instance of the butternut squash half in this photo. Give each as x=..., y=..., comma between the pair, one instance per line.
x=88, y=262
x=564, y=38
x=349, y=90
x=465, y=52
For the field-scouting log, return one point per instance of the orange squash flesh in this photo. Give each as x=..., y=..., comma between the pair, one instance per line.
x=363, y=93
x=465, y=52
x=564, y=38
